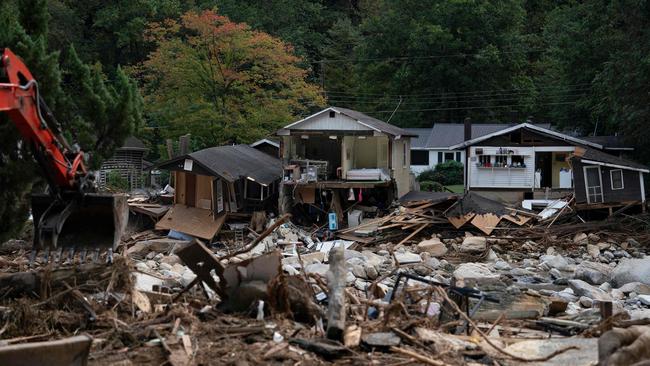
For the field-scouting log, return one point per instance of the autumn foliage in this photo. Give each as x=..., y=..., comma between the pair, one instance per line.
x=222, y=81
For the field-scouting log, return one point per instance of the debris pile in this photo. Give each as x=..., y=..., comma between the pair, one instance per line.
x=407, y=286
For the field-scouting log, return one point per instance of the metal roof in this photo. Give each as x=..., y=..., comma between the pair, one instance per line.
x=133, y=143
x=444, y=135
x=532, y=127
x=234, y=162
x=363, y=119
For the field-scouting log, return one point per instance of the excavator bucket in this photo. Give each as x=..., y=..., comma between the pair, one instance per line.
x=78, y=223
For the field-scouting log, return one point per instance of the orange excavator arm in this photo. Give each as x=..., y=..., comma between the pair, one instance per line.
x=20, y=100
x=72, y=215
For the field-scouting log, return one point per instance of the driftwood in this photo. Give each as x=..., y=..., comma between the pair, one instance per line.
x=38, y=281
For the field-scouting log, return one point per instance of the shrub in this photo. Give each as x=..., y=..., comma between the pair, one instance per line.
x=447, y=173
x=115, y=182
x=431, y=186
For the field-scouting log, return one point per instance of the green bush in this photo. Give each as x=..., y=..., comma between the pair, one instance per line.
x=431, y=186
x=447, y=173
x=115, y=182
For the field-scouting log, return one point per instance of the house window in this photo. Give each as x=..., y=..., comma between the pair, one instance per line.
x=404, y=155
x=616, y=177
x=500, y=160
x=593, y=184
x=332, y=114
x=458, y=156
x=517, y=161
x=419, y=157
x=449, y=156
x=440, y=157
x=484, y=160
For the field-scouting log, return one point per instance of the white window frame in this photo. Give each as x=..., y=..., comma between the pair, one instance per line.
x=611, y=179
x=444, y=156
x=600, y=179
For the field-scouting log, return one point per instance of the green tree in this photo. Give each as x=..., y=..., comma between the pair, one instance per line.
x=221, y=81
x=73, y=97
x=436, y=55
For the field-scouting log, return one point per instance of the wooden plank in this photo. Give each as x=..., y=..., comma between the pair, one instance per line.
x=459, y=221
x=486, y=222
x=518, y=220
x=413, y=233
x=193, y=221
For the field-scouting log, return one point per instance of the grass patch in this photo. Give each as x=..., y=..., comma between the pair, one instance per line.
x=457, y=188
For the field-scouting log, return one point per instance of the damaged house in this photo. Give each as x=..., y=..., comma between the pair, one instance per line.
x=339, y=154
x=127, y=162
x=526, y=161
x=212, y=183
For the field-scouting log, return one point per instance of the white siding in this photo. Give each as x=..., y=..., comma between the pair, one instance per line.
x=401, y=171
x=433, y=160
x=323, y=122
x=480, y=177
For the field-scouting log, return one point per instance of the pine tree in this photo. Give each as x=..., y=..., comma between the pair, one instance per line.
x=99, y=113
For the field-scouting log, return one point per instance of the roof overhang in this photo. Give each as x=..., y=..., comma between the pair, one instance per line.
x=265, y=141
x=587, y=161
x=546, y=131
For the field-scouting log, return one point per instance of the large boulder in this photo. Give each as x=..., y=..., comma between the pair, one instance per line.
x=474, y=274
x=632, y=270
x=593, y=273
x=555, y=261
x=432, y=246
x=582, y=288
x=636, y=287
x=473, y=244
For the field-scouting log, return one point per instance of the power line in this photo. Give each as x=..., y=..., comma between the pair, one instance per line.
x=495, y=98
x=430, y=57
x=466, y=108
x=460, y=93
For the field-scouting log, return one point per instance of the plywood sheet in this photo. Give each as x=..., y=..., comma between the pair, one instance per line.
x=307, y=194
x=519, y=220
x=486, y=222
x=193, y=221
x=204, y=191
x=458, y=221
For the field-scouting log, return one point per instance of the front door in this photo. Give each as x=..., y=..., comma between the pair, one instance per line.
x=544, y=163
x=593, y=184
x=190, y=190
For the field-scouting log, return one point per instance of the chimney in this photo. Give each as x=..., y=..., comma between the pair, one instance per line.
x=468, y=129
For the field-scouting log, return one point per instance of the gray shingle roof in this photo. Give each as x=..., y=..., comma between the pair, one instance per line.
x=375, y=123
x=608, y=142
x=234, y=162
x=443, y=135
x=597, y=155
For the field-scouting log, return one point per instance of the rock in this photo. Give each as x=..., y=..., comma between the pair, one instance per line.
x=585, y=351
x=593, y=273
x=372, y=258
x=593, y=250
x=502, y=266
x=645, y=299
x=165, y=266
x=473, y=244
x=586, y=302
x=638, y=287
x=555, y=261
x=474, y=274
x=357, y=270
x=582, y=288
x=371, y=272
x=142, y=267
x=632, y=270
x=434, y=263
x=360, y=284
x=179, y=268
x=432, y=246
x=581, y=238
x=408, y=257
x=593, y=238
x=381, y=339
x=318, y=268
x=350, y=278
x=491, y=256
